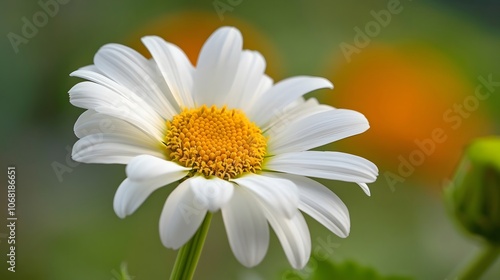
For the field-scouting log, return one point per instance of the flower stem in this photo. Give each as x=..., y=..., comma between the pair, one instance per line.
x=189, y=254
x=480, y=264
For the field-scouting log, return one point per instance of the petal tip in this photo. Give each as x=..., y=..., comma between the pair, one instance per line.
x=365, y=188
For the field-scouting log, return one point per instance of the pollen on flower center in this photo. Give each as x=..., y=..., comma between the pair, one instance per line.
x=215, y=141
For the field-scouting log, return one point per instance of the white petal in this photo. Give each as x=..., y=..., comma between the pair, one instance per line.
x=295, y=111
x=181, y=216
x=322, y=204
x=327, y=165
x=145, y=175
x=91, y=122
x=175, y=68
x=247, y=81
x=212, y=193
x=130, y=69
x=146, y=167
x=272, y=102
x=217, y=66
x=293, y=235
x=317, y=130
x=130, y=195
x=90, y=68
x=365, y=188
x=92, y=73
x=92, y=96
x=280, y=194
x=265, y=84
x=111, y=148
x=162, y=85
x=246, y=228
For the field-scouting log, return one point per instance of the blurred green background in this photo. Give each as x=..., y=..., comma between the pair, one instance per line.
x=409, y=73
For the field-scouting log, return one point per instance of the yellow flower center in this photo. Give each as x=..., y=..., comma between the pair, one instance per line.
x=215, y=141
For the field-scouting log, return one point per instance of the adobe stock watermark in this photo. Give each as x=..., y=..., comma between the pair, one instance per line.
x=223, y=6
x=321, y=252
x=120, y=110
x=39, y=19
x=202, y=199
x=363, y=37
x=281, y=118
x=67, y=167
x=92, y=138
x=453, y=119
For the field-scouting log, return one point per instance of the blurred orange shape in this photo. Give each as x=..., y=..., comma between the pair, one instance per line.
x=413, y=98
x=190, y=28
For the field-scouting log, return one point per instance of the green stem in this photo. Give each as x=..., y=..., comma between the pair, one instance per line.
x=481, y=263
x=189, y=254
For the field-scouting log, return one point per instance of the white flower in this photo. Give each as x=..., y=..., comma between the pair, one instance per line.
x=236, y=141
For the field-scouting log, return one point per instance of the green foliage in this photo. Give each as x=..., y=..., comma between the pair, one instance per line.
x=123, y=274
x=347, y=270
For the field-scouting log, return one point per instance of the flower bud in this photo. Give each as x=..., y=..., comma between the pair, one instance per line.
x=473, y=197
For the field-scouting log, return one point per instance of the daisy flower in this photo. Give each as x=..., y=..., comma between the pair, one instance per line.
x=235, y=140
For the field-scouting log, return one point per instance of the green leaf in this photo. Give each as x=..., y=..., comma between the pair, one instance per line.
x=320, y=270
